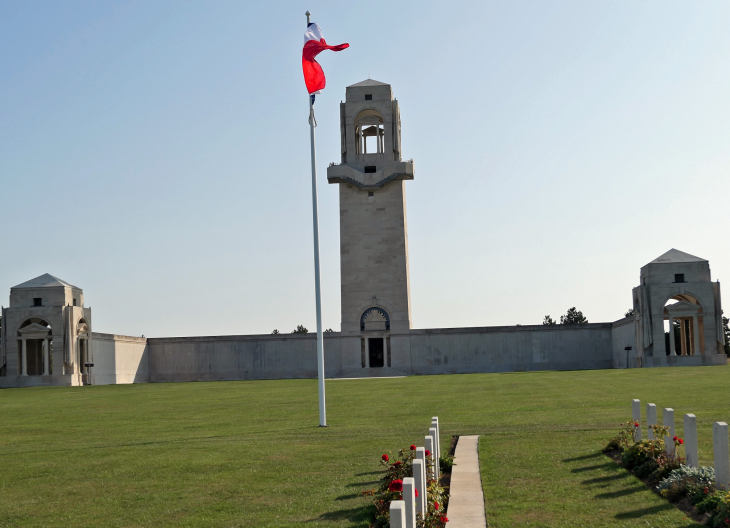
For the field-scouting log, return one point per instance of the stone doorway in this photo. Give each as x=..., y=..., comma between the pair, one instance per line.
x=34, y=357
x=376, y=350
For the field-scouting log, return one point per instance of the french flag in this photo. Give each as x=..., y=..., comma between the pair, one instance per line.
x=314, y=44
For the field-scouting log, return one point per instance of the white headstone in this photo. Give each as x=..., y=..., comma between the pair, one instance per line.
x=430, y=448
x=435, y=423
x=668, y=421
x=434, y=432
x=397, y=514
x=419, y=476
x=722, y=455
x=650, y=420
x=409, y=497
x=690, y=440
x=636, y=416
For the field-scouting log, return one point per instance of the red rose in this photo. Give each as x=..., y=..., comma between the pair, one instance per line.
x=396, y=485
x=636, y=424
x=413, y=448
x=680, y=441
x=444, y=519
x=428, y=453
x=675, y=438
x=398, y=463
x=416, y=492
x=385, y=457
x=436, y=505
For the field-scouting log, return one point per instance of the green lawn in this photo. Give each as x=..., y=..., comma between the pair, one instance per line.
x=250, y=453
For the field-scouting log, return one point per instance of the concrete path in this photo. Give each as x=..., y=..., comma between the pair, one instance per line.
x=466, y=505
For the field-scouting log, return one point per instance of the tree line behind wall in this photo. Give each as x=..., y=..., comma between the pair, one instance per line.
x=573, y=316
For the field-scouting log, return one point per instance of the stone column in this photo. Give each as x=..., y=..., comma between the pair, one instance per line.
x=23, y=360
x=722, y=455
x=409, y=497
x=668, y=421
x=683, y=336
x=690, y=440
x=672, y=344
x=695, y=335
x=419, y=476
x=46, y=357
x=397, y=514
x=636, y=416
x=650, y=420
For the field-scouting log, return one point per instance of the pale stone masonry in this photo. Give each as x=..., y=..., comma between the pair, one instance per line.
x=668, y=421
x=650, y=420
x=690, y=441
x=419, y=476
x=409, y=498
x=46, y=335
x=397, y=514
x=636, y=416
x=678, y=287
x=466, y=504
x=721, y=453
x=375, y=292
x=51, y=343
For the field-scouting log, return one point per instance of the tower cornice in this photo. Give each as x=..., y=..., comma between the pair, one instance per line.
x=367, y=181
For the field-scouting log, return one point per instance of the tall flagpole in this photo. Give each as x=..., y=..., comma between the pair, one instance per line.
x=318, y=295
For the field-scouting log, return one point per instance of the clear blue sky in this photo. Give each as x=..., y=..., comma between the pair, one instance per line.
x=156, y=154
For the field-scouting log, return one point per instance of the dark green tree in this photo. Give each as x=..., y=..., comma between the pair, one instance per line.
x=726, y=331
x=275, y=331
x=573, y=317
x=548, y=320
x=300, y=329
x=629, y=312
x=328, y=331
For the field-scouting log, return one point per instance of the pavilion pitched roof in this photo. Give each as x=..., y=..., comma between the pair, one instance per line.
x=45, y=281
x=368, y=82
x=674, y=255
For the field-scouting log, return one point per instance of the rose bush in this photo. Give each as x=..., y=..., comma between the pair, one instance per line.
x=400, y=466
x=648, y=459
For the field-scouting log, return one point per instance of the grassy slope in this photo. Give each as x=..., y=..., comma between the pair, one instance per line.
x=541, y=466
x=250, y=454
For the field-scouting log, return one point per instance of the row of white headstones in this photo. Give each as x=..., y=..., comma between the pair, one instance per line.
x=720, y=443
x=403, y=512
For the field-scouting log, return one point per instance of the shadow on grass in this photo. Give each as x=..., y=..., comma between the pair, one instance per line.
x=603, y=480
x=361, y=484
x=635, y=514
x=348, y=497
x=584, y=457
x=363, y=514
x=621, y=493
x=369, y=473
x=592, y=468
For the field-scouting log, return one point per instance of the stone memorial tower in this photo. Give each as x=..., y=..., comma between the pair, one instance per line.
x=376, y=301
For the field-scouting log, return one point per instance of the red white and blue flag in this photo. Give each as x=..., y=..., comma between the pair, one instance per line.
x=314, y=44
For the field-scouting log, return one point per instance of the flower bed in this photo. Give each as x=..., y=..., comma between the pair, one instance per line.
x=691, y=489
x=400, y=466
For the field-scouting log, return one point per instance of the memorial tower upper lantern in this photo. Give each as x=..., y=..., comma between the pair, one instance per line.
x=370, y=137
